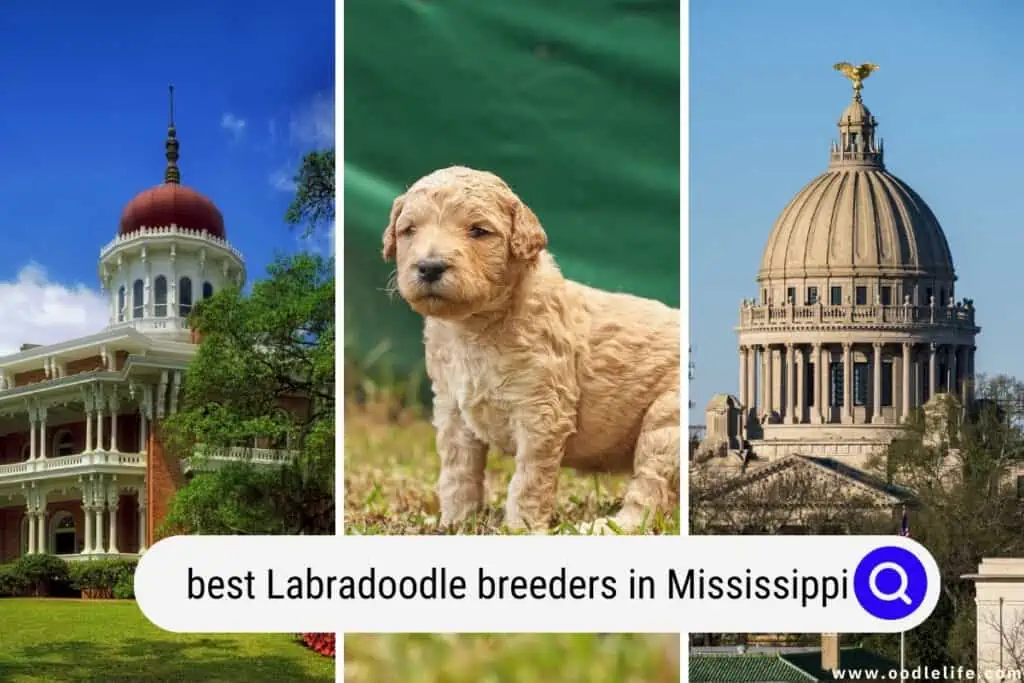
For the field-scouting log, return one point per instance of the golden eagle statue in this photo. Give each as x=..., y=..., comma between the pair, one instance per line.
x=857, y=74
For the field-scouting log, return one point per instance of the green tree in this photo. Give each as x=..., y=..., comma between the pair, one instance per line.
x=264, y=375
x=313, y=205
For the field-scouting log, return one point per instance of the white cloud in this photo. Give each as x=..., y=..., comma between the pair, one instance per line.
x=233, y=124
x=313, y=124
x=36, y=310
x=283, y=179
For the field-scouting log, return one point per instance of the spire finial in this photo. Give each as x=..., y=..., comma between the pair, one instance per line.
x=172, y=174
x=857, y=74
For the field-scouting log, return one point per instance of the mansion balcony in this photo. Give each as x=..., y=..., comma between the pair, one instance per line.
x=769, y=317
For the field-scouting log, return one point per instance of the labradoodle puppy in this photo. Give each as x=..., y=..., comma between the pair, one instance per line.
x=547, y=370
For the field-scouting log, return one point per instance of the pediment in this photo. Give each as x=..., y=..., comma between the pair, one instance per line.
x=801, y=481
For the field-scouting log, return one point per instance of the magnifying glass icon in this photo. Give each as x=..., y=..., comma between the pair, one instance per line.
x=886, y=596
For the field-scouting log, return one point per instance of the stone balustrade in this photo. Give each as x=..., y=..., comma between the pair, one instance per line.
x=145, y=233
x=767, y=316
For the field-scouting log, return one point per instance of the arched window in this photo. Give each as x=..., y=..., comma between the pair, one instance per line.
x=160, y=296
x=63, y=534
x=120, y=304
x=137, y=304
x=185, y=297
x=207, y=290
x=63, y=444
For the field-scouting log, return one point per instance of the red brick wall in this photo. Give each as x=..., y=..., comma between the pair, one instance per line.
x=163, y=479
x=10, y=532
x=84, y=365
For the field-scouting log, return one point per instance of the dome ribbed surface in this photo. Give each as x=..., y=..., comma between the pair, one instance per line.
x=856, y=221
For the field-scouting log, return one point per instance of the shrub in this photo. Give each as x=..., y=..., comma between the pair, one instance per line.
x=321, y=643
x=43, y=574
x=12, y=582
x=100, y=578
x=125, y=588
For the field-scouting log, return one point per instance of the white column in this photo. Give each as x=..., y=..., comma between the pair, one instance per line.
x=933, y=370
x=88, y=427
x=825, y=377
x=801, y=384
x=905, y=408
x=751, y=407
x=99, y=424
x=743, y=376
x=951, y=360
x=818, y=413
x=143, y=430
x=31, y=531
x=847, y=383
x=42, y=432
x=112, y=508
x=876, y=402
x=790, y=384
x=769, y=380
x=41, y=520
x=114, y=406
x=142, y=521
x=87, y=514
x=97, y=547
x=33, y=436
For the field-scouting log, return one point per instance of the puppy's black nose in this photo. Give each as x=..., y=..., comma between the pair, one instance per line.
x=431, y=269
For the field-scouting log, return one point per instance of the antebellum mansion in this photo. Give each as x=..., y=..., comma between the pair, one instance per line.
x=82, y=473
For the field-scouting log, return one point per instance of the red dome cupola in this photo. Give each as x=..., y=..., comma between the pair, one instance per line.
x=172, y=202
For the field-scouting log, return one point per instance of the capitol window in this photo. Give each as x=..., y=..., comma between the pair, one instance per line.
x=862, y=296
x=885, y=294
x=137, y=302
x=836, y=296
x=160, y=296
x=184, y=297
x=812, y=296
x=860, y=384
x=791, y=295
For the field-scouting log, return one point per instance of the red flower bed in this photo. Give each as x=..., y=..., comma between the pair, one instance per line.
x=322, y=643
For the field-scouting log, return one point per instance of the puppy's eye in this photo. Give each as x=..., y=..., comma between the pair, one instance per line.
x=407, y=230
x=478, y=231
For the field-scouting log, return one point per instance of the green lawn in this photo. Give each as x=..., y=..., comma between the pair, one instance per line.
x=512, y=658
x=391, y=469
x=79, y=641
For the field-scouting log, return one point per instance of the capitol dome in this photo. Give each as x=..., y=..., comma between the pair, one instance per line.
x=857, y=219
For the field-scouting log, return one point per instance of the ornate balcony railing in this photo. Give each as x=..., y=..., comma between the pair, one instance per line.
x=69, y=464
x=754, y=316
x=259, y=456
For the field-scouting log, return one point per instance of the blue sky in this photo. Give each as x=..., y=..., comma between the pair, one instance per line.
x=764, y=102
x=84, y=118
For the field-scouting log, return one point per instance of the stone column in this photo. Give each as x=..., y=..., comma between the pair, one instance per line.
x=801, y=384
x=141, y=498
x=817, y=413
x=790, y=384
x=769, y=380
x=933, y=370
x=876, y=393
x=826, y=385
x=31, y=514
x=114, y=406
x=33, y=435
x=42, y=432
x=905, y=407
x=847, y=383
x=112, y=500
x=87, y=514
x=743, y=376
x=97, y=547
x=751, y=405
x=99, y=423
x=41, y=520
x=952, y=351
x=970, y=373
x=88, y=427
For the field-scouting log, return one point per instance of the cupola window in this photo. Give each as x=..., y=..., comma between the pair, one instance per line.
x=120, y=304
x=862, y=296
x=160, y=297
x=185, y=297
x=207, y=290
x=836, y=296
x=138, y=305
x=812, y=296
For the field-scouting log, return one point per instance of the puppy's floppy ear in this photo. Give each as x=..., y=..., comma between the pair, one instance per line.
x=390, y=237
x=528, y=237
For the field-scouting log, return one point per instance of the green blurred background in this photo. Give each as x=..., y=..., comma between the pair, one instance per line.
x=574, y=102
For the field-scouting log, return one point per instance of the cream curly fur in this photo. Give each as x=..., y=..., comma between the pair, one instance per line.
x=550, y=371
